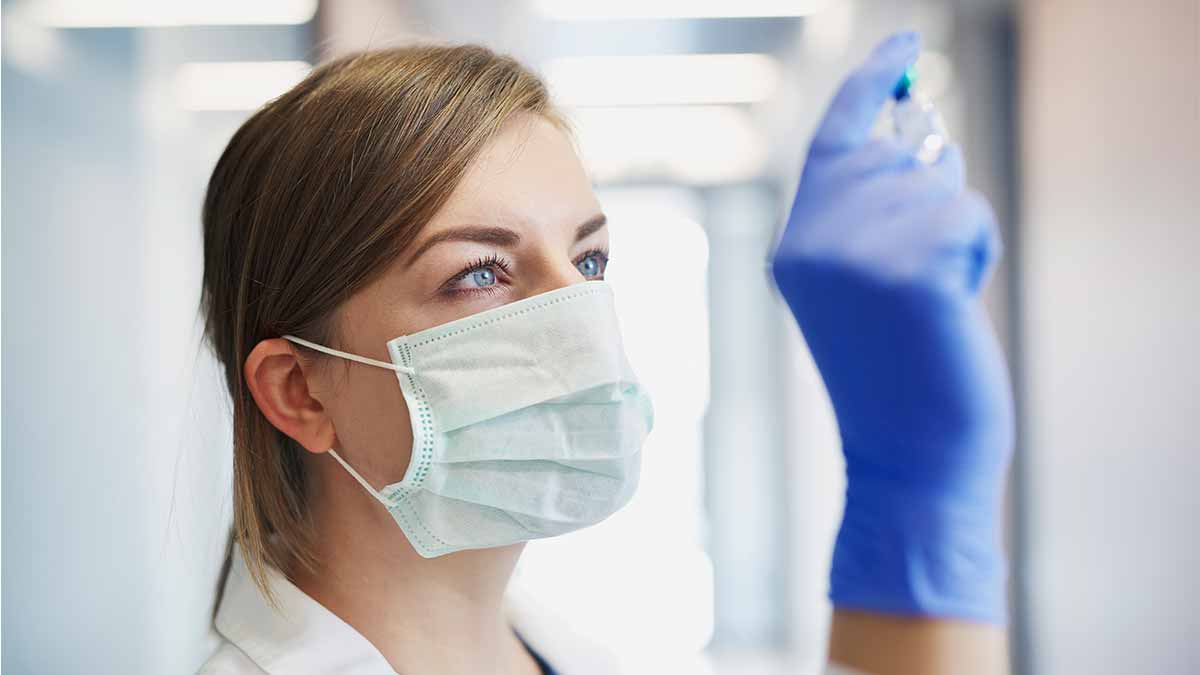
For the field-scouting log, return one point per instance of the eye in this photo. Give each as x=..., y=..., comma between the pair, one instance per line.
x=484, y=276
x=592, y=264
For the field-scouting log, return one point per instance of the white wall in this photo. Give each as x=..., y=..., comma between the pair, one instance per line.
x=116, y=482
x=74, y=462
x=1111, y=230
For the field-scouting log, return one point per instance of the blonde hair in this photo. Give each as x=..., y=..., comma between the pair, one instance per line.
x=314, y=195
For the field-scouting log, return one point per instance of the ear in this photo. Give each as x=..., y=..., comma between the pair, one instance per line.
x=280, y=387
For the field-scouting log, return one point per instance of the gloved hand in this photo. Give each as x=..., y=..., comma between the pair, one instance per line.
x=881, y=263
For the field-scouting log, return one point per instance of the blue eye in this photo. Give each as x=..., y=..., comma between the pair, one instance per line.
x=484, y=276
x=592, y=264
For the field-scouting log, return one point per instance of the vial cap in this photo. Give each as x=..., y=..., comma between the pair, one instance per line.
x=904, y=86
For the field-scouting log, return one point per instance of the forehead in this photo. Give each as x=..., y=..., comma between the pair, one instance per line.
x=529, y=173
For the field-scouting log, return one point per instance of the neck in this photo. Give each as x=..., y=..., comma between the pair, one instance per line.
x=425, y=615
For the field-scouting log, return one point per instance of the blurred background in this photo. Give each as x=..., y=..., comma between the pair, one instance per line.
x=1080, y=120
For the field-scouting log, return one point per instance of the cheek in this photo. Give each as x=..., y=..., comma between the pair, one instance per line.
x=372, y=425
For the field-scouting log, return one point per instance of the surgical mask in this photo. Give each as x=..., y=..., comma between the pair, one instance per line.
x=527, y=422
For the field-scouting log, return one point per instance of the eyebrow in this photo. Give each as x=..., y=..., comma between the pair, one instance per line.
x=499, y=236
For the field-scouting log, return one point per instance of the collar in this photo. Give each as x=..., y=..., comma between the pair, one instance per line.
x=305, y=638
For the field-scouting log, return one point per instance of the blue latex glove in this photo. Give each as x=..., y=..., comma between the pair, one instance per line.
x=881, y=264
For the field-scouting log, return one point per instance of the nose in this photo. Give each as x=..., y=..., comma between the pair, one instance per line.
x=553, y=271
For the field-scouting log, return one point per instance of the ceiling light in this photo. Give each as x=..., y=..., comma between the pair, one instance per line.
x=698, y=145
x=662, y=79
x=235, y=85
x=592, y=10
x=144, y=13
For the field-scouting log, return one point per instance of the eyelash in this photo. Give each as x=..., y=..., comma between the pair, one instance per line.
x=601, y=253
x=481, y=263
x=502, y=264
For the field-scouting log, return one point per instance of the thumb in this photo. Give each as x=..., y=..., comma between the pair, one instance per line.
x=851, y=115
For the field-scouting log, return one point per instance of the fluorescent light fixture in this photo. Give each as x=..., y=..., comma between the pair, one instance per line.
x=593, y=10
x=698, y=145
x=668, y=79
x=30, y=47
x=145, y=13
x=235, y=85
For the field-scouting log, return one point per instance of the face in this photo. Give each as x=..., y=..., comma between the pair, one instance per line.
x=523, y=221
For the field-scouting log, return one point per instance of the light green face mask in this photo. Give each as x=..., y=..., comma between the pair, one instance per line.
x=527, y=422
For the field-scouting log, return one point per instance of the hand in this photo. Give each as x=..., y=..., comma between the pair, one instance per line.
x=881, y=263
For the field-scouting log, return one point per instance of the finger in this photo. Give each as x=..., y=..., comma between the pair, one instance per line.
x=989, y=248
x=851, y=115
x=958, y=232
x=924, y=185
x=919, y=189
x=877, y=156
x=968, y=234
x=966, y=220
x=950, y=168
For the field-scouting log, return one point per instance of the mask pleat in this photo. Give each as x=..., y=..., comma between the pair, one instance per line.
x=595, y=425
x=541, y=490
x=528, y=422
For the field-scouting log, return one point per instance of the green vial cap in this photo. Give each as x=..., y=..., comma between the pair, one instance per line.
x=907, y=80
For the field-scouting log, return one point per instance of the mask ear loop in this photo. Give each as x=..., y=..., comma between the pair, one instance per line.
x=352, y=357
x=370, y=362
x=361, y=481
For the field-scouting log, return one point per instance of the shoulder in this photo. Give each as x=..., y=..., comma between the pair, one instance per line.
x=229, y=660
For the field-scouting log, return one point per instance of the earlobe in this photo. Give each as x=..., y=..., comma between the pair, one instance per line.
x=280, y=388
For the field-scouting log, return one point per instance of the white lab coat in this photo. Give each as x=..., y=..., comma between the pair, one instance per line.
x=306, y=638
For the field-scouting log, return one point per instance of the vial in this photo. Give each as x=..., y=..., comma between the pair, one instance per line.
x=917, y=123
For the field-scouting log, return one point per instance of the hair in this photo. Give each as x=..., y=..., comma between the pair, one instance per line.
x=314, y=196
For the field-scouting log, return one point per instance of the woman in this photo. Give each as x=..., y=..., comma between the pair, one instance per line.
x=403, y=278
